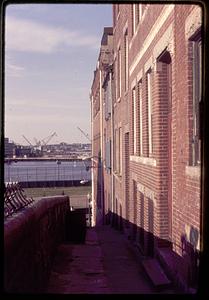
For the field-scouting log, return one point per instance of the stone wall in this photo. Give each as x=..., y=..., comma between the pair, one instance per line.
x=31, y=237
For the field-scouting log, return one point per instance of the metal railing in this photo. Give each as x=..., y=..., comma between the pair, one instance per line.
x=14, y=198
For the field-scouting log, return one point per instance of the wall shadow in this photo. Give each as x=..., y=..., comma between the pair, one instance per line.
x=182, y=270
x=100, y=216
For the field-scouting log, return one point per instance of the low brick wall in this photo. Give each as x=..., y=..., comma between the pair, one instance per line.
x=31, y=237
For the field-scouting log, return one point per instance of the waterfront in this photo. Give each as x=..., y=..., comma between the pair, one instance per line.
x=39, y=171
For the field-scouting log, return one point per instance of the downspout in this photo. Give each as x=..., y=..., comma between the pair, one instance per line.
x=112, y=143
x=92, y=170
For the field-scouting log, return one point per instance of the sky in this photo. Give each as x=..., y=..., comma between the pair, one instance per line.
x=51, y=51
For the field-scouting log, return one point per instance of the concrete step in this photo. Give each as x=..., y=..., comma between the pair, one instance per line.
x=155, y=272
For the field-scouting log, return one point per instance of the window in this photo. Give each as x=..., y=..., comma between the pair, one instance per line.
x=117, y=9
x=105, y=142
x=134, y=119
x=115, y=151
x=197, y=95
x=119, y=73
x=136, y=16
x=120, y=150
x=140, y=116
x=140, y=11
x=150, y=114
x=107, y=97
x=108, y=156
x=126, y=59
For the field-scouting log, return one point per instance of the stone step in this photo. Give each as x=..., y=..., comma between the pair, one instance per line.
x=155, y=272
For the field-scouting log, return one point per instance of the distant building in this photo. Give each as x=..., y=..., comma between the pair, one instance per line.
x=24, y=151
x=145, y=131
x=98, y=110
x=9, y=148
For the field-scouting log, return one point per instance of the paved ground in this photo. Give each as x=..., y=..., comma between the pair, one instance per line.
x=124, y=274
x=105, y=264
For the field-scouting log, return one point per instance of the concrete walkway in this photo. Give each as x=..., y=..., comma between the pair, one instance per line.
x=105, y=264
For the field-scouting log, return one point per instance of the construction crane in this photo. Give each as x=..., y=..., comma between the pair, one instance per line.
x=43, y=142
x=38, y=143
x=48, y=138
x=27, y=140
x=85, y=134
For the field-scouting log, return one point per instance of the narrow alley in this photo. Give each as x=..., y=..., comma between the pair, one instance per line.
x=105, y=264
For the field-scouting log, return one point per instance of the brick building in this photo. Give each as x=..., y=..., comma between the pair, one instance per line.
x=146, y=131
x=9, y=148
x=100, y=126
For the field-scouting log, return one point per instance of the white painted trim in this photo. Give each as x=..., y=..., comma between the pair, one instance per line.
x=120, y=71
x=133, y=84
x=148, y=64
x=193, y=22
x=166, y=11
x=118, y=44
x=140, y=119
x=193, y=171
x=139, y=75
x=144, y=160
x=149, y=87
x=138, y=26
x=117, y=176
x=134, y=18
x=163, y=42
x=134, y=118
x=126, y=128
x=125, y=28
x=146, y=192
x=134, y=176
x=118, y=15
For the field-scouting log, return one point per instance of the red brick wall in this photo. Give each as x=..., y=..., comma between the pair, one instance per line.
x=156, y=177
x=167, y=201
x=31, y=237
x=186, y=200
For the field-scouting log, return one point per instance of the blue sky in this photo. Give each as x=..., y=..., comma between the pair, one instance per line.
x=51, y=52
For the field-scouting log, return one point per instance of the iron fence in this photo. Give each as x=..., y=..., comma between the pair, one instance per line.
x=14, y=198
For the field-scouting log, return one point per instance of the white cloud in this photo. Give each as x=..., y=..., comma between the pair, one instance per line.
x=33, y=104
x=13, y=70
x=29, y=36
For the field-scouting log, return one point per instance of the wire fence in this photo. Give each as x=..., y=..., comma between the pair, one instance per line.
x=46, y=173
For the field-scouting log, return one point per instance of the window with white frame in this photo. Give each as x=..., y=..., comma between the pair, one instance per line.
x=140, y=116
x=119, y=72
x=136, y=16
x=140, y=11
x=134, y=120
x=197, y=95
x=150, y=112
x=115, y=151
x=126, y=59
x=120, y=150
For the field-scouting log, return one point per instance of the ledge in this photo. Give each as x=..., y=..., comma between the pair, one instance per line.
x=193, y=171
x=117, y=176
x=144, y=160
